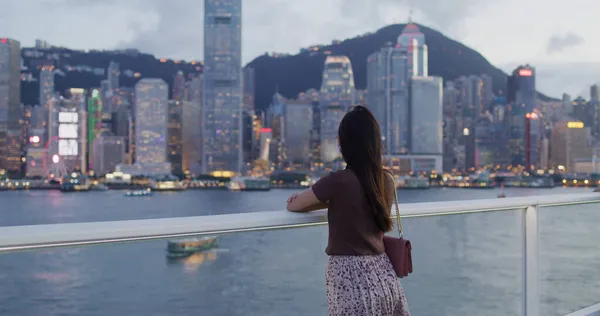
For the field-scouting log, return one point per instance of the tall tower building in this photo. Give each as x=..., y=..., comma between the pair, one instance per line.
x=179, y=86
x=222, y=106
x=192, y=128
x=521, y=88
x=337, y=85
x=174, y=136
x=113, y=77
x=413, y=41
x=249, y=88
x=426, y=118
x=337, y=95
x=10, y=105
x=151, y=97
x=387, y=85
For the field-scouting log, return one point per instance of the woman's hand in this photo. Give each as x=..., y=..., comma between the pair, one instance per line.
x=305, y=201
x=291, y=198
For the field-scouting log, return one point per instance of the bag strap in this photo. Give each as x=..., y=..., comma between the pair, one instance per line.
x=397, y=206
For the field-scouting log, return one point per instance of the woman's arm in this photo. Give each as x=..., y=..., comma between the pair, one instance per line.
x=305, y=201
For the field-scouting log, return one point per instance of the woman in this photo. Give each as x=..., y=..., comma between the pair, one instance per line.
x=360, y=279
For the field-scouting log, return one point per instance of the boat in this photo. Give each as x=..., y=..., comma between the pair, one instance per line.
x=167, y=183
x=185, y=247
x=249, y=184
x=147, y=192
x=75, y=182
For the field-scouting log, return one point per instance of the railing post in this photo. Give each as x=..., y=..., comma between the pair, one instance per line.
x=531, y=291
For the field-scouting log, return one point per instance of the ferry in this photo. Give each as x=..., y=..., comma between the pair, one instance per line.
x=147, y=192
x=167, y=184
x=187, y=247
x=249, y=184
x=75, y=182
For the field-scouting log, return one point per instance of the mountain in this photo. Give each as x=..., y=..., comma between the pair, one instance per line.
x=291, y=75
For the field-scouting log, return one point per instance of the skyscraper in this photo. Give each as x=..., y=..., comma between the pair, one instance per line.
x=192, y=127
x=151, y=97
x=113, y=77
x=249, y=88
x=521, y=88
x=387, y=85
x=178, y=86
x=109, y=151
x=337, y=95
x=222, y=106
x=413, y=41
x=337, y=85
x=10, y=105
x=174, y=136
x=426, y=122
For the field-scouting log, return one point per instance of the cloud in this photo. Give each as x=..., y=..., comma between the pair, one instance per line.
x=558, y=43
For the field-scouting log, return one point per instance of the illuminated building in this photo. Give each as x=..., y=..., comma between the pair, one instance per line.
x=248, y=140
x=521, y=88
x=222, y=93
x=517, y=135
x=533, y=139
x=151, y=111
x=46, y=90
x=10, y=105
x=71, y=131
x=337, y=85
x=275, y=121
x=109, y=151
x=192, y=128
x=94, y=117
x=570, y=142
x=337, y=95
x=298, y=127
x=174, y=136
x=265, y=143
x=35, y=162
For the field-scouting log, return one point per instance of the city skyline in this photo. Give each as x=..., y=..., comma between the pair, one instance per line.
x=164, y=28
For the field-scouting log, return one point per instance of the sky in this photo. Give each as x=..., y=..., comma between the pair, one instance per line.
x=555, y=37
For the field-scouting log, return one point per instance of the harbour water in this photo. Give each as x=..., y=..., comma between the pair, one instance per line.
x=464, y=264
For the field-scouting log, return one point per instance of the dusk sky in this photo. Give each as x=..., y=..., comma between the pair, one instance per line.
x=557, y=37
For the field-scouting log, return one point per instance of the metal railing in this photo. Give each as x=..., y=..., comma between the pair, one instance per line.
x=19, y=238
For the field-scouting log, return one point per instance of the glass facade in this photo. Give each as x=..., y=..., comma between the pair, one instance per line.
x=192, y=128
x=426, y=118
x=151, y=109
x=330, y=122
x=10, y=105
x=521, y=88
x=337, y=85
x=174, y=142
x=299, y=124
x=222, y=107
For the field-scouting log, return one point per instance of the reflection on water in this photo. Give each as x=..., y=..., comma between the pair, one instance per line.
x=193, y=262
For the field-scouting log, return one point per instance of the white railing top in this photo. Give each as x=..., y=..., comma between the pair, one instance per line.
x=13, y=238
x=593, y=310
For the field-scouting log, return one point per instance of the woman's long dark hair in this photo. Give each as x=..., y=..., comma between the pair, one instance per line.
x=361, y=146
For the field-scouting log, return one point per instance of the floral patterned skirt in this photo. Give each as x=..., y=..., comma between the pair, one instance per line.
x=364, y=286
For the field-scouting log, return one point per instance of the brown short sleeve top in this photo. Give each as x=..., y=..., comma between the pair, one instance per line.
x=352, y=226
